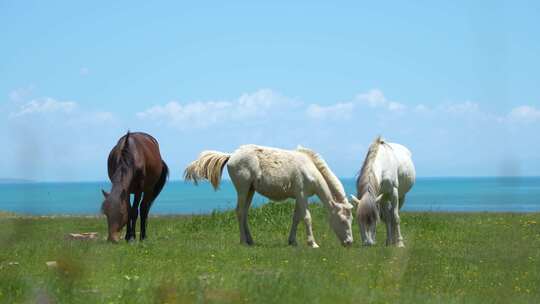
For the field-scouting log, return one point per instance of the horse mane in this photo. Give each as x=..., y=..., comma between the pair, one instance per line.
x=338, y=192
x=125, y=159
x=367, y=181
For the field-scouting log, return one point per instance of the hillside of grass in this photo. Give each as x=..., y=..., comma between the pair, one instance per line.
x=449, y=258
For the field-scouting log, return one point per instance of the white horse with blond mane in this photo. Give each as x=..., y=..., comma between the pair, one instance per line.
x=386, y=176
x=278, y=174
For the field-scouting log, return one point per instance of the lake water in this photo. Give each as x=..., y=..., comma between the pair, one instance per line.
x=516, y=194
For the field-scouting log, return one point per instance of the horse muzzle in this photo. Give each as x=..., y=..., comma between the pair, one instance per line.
x=114, y=238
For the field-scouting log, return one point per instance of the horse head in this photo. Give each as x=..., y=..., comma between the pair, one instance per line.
x=115, y=206
x=341, y=221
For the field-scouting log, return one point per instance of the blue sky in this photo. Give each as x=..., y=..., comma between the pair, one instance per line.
x=457, y=83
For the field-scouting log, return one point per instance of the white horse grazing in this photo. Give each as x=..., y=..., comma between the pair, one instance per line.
x=278, y=175
x=386, y=176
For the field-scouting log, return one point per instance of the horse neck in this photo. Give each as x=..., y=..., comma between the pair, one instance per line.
x=122, y=178
x=367, y=175
x=370, y=194
x=335, y=187
x=325, y=194
x=368, y=185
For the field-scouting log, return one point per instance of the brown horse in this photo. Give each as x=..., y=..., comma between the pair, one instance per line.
x=134, y=166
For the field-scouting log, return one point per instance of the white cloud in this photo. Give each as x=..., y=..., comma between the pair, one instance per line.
x=336, y=111
x=344, y=129
x=343, y=110
x=259, y=104
x=375, y=98
x=45, y=105
x=524, y=114
x=198, y=113
x=265, y=103
x=465, y=107
x=66, y=113
x=421, y=108
x=396, y=106
x=55, y=139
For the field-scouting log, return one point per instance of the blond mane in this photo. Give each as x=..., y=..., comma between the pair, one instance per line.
x=338, y=192
x=367, y=182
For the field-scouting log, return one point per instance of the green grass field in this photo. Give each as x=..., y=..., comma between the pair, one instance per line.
x=449, y=258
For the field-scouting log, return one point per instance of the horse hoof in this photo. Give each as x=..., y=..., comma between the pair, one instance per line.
x=313, y=245
x=293, y=243
x=400, y=245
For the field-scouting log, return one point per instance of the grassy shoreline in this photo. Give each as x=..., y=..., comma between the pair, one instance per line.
x=450, y=257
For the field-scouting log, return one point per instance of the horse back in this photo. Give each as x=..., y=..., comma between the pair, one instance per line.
x=393, y=167
x=146, y=158
x=405, y=167
x=274, y=173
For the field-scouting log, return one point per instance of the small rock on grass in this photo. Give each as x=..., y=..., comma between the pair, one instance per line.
x=83, y=236
x=51, y=264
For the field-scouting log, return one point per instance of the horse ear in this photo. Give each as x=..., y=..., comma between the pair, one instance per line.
x=355, y=200
x=105, y=193
x=334, y=207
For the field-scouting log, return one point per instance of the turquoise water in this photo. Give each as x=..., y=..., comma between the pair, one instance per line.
x=516, y=194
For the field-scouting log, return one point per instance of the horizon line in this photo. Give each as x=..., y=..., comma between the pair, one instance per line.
x=32, y=181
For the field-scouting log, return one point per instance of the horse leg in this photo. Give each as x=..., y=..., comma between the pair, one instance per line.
x=373, y=232
x=299, y=213
x=398, y=239
x=249, y=198
x=128, y=226
x=387, y=219
x=145, y=208
x=309, y=230
x=401, y=201
x=368, y=232
x=241, y=215
x=133, y=214
x=364, y=234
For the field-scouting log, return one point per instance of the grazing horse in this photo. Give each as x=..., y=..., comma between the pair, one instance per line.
x=278, y=174
x=134, y=166
x=386, y=176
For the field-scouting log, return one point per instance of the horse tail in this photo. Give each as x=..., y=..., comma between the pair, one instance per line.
x=208, y=166
x=162, y=179
x=368, y=211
